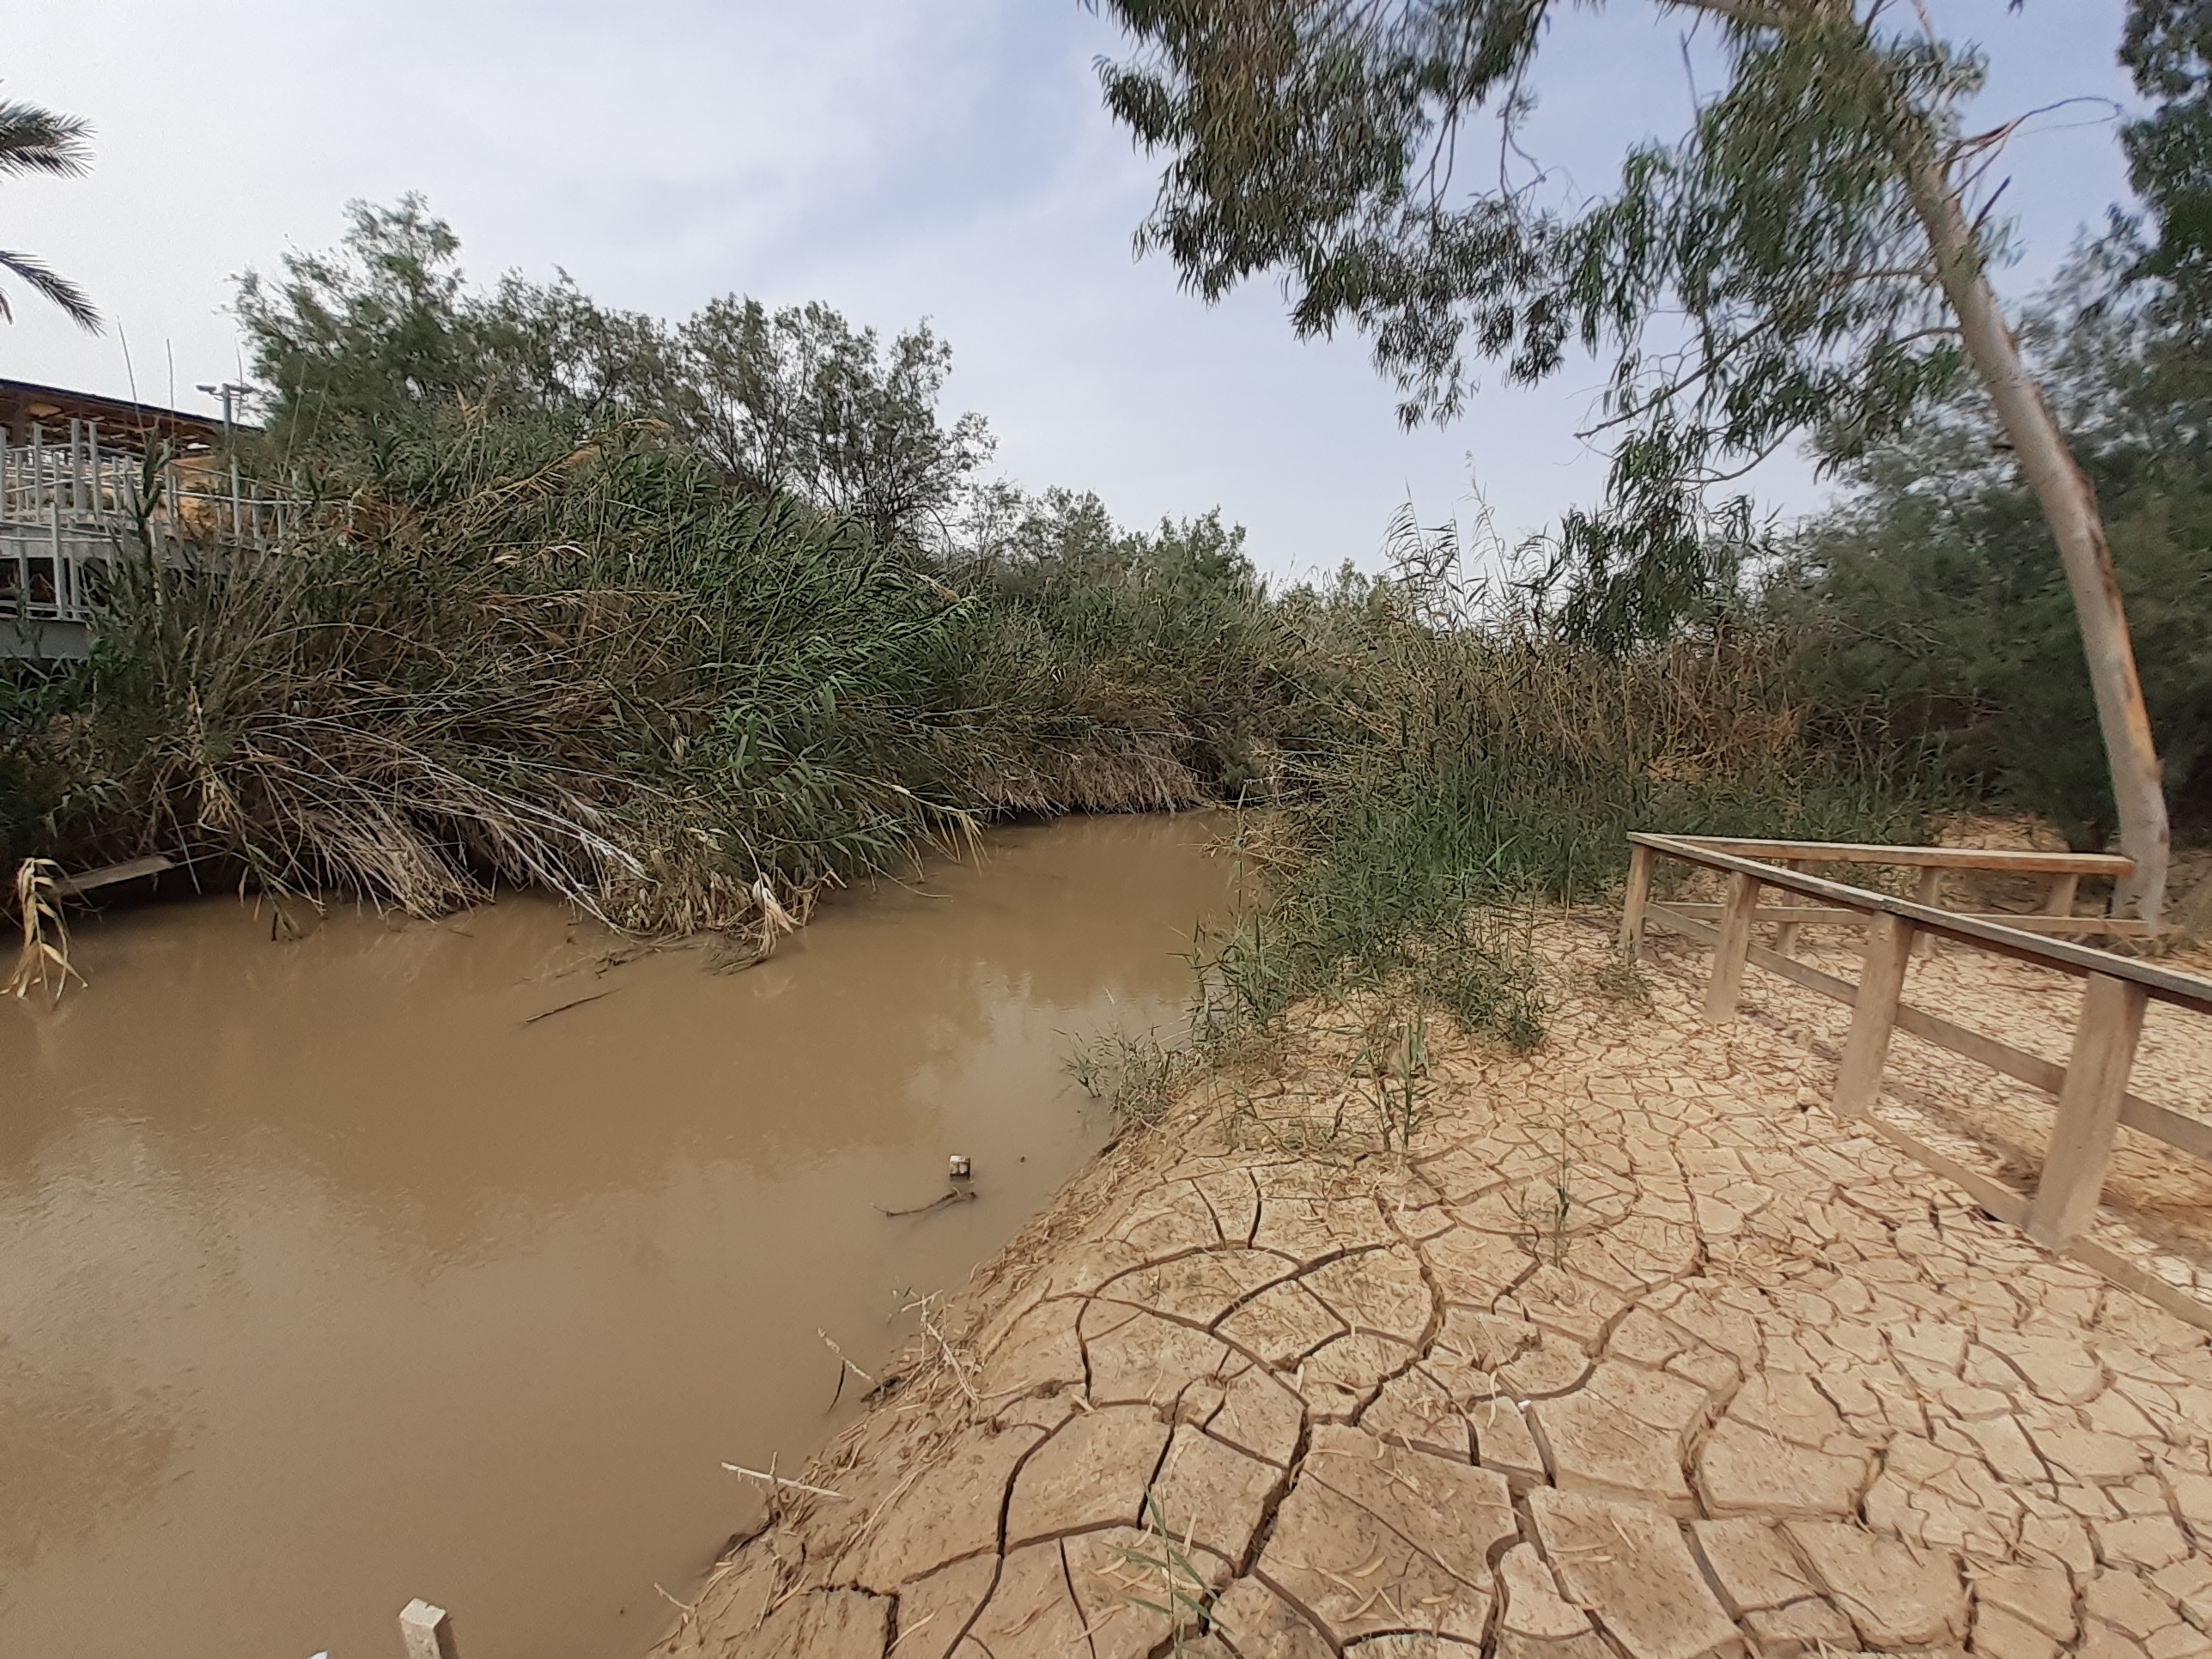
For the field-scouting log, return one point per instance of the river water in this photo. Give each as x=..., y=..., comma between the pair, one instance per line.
x=330, y=1277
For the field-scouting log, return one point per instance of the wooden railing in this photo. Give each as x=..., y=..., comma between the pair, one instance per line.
x=2090, y=1088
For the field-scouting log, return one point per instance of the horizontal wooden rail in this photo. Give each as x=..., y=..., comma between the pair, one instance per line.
x=2184, y=990
x=2186, y=1134
x=2091, y=1088
x=1832, y=915
x=2021, y=859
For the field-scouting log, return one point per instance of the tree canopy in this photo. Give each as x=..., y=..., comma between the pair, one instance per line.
x=1809, y=260
x=1929, y=590
x=354, y=345
x=2168, y=49
x=1763, y=276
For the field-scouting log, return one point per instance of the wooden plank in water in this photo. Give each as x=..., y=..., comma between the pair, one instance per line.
x=108, y=874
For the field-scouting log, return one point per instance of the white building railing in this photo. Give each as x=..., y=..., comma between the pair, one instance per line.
x=69, y=504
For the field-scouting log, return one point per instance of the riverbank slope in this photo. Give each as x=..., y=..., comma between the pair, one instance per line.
x=1259, y=1386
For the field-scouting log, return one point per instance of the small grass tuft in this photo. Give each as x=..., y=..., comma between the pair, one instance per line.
x=1137, y=1075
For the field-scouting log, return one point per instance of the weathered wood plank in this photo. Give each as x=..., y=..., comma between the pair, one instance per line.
x=1874, y=1016
x=108, y=874
x=1731, y=949
x=1640, y=862
x=1929, y=892
x=1785, y=932
x=2088, y=1110
x=2184, y=1133
x=2184, y=990
x=1832, y=916
x=2121, y=1271
x=2000, y=1200
x=1942, y=858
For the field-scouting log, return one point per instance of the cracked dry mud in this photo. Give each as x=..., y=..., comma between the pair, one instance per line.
x=1773, y=1388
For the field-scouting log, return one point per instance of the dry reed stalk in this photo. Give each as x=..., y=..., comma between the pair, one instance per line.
x=40, y=959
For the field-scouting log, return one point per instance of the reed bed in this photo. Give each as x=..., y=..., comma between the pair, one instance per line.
x=505, y=655
x=1491, y=769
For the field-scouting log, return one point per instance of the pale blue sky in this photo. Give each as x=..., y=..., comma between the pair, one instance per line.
x=896, y=158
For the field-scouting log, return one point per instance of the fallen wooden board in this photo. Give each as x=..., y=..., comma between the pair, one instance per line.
x=108, y=874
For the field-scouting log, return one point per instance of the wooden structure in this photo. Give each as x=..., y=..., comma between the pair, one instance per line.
x=70, y=498
x=2090, y=1088
x=25, y=405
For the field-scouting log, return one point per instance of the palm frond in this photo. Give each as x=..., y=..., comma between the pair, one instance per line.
x=36, y=140
x=58, y=288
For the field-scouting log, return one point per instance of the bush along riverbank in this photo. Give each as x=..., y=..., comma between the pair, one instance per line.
x=515, y=659
x=686, y=625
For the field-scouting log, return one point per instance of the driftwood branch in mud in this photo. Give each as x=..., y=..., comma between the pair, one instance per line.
x=957, y=1195
x=777, y=1481
x=564, y=1007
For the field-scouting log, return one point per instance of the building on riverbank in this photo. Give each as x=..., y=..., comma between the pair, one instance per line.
x=82, y=477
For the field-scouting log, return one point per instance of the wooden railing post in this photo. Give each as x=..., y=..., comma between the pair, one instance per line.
x=1640, y=860
x=2060, y=899
x=1874, y=1015
x=2088, y=1110
x=1785, y=932
x=1930, y=890
x=1731, y=949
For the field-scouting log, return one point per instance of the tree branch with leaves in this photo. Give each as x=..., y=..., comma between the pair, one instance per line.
x=1808, y=261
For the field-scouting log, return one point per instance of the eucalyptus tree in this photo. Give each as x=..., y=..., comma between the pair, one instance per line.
x=1810, y=259
x=37, y=141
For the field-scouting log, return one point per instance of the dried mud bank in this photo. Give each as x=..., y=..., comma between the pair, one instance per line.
x=1766, y=1388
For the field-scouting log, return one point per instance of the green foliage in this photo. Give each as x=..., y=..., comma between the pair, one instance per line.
x=626, y=614
x=361, y=345
x=1143, y=668
x=1932, y=594
x=795, y=401
x=2168, y=49
x=1137, y=1076
x=1765, y=277
x=1491, y=767
x=595, y=671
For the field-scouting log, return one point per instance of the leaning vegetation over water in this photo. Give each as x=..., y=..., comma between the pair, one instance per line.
x=690, y=624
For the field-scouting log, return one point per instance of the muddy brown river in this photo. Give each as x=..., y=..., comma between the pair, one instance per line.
x=330, y=1276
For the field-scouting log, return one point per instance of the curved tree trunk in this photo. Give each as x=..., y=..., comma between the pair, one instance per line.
x=2071, y=505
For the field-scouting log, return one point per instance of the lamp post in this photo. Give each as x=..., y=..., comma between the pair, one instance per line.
x=227, y=391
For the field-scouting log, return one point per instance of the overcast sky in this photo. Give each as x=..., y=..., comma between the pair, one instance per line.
x=896, y=158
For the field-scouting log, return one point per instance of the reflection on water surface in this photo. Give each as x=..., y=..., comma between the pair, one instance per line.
x=328, y=1279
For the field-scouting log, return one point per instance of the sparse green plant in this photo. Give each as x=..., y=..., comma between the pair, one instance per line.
x=1134, y=1073
x=1545, y=1208
x=1159, y=1576
x=1393, y=1064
